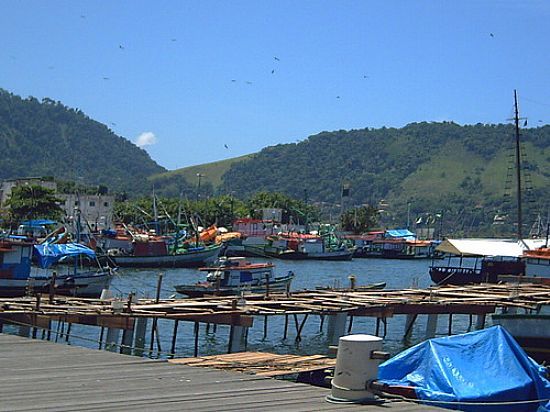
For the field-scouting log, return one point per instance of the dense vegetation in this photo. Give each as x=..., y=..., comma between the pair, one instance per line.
x=460, y=176
x=46, y=138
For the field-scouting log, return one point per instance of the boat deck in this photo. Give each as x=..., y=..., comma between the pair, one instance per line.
x=42, y=376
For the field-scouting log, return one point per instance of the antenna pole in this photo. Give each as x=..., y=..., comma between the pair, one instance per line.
x=518, y=165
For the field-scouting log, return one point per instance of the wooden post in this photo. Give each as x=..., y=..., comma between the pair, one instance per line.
x=139, y=341
x=127, y=341
x=431, y=325
x=409, y=323
x=174, y=336
x=68, y=333
x=351, y=282
x=480, y=321
x=265, y=327
x=101, y=333
x=111, y=341
x=237, y=339
x=155, y=319
x=321, y=323
x=450, y=331
x=377, y=332
x=52, y=286
x=267, y=285
x=196, y=351
x=350, y=325
x=285, y=330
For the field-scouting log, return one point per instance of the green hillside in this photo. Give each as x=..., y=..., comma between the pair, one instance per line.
x=46, y=138
x=460, y=171
x=211, y=176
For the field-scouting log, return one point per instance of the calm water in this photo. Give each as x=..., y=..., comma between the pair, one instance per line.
x=396, y=273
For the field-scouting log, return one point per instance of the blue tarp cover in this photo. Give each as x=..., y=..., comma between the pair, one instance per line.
x=51, y=254
x=405, y=233
x=39, y=222
x=483, y=366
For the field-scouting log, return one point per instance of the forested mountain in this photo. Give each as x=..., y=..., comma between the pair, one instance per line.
x=46, y=138
x=462, y=172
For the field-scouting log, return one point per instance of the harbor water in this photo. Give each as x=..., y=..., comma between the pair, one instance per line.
x=398, y=274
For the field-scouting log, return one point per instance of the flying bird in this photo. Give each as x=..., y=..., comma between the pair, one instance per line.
x=365, y=76
x=525, y=123
x=540, y=121
x=173, y=39
x=227, y=147
x=276, y=58
x=105, y=78
x=233, y=80
x=248, y=82
x=273, y=71
x=491, y=34
x=113, y=124
x=121, y=47
x=337, y=97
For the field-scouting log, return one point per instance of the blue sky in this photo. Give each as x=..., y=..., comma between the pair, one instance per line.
x=194, y=77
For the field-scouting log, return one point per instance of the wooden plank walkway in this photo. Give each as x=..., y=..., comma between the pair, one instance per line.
x=260, y=363
x=42, y=376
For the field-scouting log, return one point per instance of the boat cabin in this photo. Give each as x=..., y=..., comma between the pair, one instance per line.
x=238, y=272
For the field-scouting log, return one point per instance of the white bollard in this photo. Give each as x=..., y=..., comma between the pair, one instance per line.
x=355, y=368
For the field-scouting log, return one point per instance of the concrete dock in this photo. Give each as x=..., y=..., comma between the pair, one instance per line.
x=36, y=375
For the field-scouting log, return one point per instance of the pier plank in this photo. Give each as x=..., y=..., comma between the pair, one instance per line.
x=43, y=376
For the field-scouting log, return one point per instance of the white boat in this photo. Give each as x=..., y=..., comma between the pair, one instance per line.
x=193, y=257
x=230, y=276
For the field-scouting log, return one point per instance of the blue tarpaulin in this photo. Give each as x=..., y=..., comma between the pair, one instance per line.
x=483, y=366
x=39, y=222
x=51, y=254
x=400, y=233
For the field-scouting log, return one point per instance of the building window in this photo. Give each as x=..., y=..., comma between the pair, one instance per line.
x=92, y=203
x=106, y=204
x=76, y=203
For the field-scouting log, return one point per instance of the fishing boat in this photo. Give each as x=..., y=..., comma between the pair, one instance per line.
x=18, y=277
x=147, y=249
x=231, y=276
x=301, y=246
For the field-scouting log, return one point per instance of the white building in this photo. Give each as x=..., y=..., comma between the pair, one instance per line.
x=96, y=211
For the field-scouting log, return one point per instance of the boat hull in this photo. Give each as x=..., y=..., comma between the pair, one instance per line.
x=295, y=255
x=85, y=285
x=530, y=330
x=195, y=291
x=191, y=259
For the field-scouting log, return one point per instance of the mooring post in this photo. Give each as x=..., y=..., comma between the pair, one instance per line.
x=321, y=323
x=68, y=333
x=336, y=327
x=127, y=341
x=237, y=339
x=285, y=330
x=431, y=325
x=101, y=334
x=350, y=325
x=480, y=321
x=139, y=338
x=377, y=331
x=450, y=331
x=265, y=327
x=409, y=323
x=196, y=351
x=111, y=341
x=174, y=337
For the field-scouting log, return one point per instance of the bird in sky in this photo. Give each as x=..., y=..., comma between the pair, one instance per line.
x=105, y=78
x=226, y=146
x=276, y=58
x=113, y=124
x=273, y=71
x=121, y=47
x=365, y=76
x=233, y=80
x=525, y=123
x=82, y=16
x=540, y=121
x=248, y=82
x=491, y=34
x=337, y=97
x=173, y=39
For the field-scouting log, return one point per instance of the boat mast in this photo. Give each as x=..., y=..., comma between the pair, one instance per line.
x=518, y=166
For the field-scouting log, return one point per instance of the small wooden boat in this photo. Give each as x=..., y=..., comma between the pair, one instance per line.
x=230, y=276
x=364, y=288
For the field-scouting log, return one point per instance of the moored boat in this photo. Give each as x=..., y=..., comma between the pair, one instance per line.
x=18, y=278
x=299, y=246
x=230, y=276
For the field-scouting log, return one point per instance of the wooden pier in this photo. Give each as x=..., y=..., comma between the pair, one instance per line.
x=36, y=375
x=130, y=317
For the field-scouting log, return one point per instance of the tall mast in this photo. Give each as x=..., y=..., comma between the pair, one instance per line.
x=518, y=166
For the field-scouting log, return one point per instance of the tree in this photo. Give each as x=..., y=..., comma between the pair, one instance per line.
x=33, y=202
x=359, y=220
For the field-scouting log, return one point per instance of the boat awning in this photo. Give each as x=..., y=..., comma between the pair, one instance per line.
x=486, y=247
x=49, y=254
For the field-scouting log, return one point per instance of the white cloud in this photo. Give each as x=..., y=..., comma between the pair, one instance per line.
x=146, y=139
